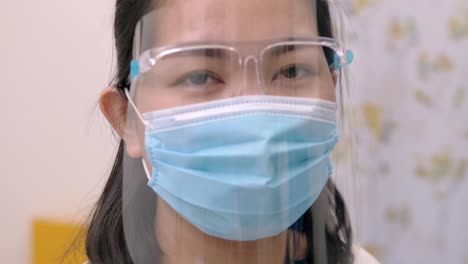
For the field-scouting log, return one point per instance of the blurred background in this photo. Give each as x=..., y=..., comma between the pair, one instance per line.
x=410, y=87
x=410, y=91
x=57, y=149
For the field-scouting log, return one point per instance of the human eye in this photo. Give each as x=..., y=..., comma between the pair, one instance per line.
x=294, y=72
x=199, y=79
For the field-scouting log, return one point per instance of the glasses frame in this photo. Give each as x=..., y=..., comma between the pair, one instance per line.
x=150, y=57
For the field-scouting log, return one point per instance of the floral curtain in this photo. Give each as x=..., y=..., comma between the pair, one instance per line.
x=410, y=88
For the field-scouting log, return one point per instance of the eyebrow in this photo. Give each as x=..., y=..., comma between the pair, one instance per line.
x=280, y=50
x=212, y=53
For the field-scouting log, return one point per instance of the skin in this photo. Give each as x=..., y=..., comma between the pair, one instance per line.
x=246, y=20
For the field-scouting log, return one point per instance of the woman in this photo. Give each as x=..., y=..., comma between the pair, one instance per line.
x=229, y=110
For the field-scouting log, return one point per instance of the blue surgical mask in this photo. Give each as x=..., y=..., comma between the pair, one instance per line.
x=243, y=168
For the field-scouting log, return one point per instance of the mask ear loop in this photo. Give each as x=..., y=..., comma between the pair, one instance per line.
x=136, y=109
x=134, y=72
x=148, y=175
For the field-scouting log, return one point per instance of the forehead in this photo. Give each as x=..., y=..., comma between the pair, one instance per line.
x=178, y=21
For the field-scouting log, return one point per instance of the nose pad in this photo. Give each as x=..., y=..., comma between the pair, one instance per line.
x=251, y=83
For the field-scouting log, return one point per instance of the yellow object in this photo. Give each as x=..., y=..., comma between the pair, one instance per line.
x=373, y=116
x=359, y=5
x=423, y=98
x=56, y=242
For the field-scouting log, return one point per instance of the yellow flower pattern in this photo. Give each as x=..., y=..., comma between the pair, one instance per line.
x=458, y=24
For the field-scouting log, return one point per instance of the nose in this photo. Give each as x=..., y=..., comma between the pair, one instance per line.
x=251, y=79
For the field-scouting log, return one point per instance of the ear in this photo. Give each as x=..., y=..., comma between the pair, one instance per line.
x=114, y=107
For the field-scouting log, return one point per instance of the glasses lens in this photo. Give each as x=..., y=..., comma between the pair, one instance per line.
x=299, y=70
x=187, y=76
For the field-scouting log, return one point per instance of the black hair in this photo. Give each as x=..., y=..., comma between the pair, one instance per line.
x=325, y=224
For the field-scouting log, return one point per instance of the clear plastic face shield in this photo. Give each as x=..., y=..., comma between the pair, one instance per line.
x=233, y=115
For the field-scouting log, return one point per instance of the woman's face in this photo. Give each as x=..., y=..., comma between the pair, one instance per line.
x=239, y=21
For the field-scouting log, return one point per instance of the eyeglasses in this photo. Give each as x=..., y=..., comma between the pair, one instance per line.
x=208, y=71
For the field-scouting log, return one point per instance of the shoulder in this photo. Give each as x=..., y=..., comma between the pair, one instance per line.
x=361, y=256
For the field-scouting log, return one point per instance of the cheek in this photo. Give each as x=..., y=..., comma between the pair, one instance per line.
x=329, y=91
x=161, y=97
x=330, y=94
x=323, y=88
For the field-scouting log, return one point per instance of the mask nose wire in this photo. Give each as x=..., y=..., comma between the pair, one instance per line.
x=245, y=65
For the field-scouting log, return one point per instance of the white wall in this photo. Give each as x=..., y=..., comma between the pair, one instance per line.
x=56, y=148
